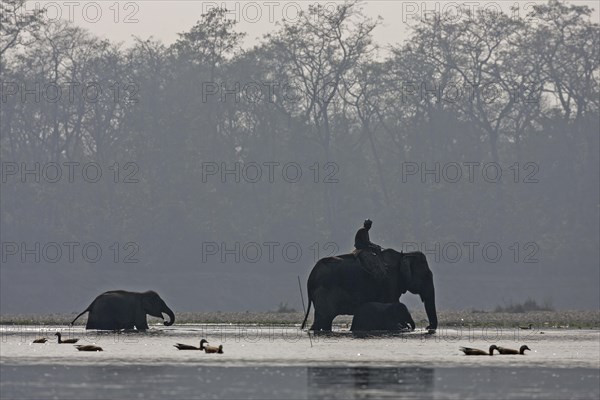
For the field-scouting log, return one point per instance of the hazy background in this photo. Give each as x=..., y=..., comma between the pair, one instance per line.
x=350, y=112
x=163, y=20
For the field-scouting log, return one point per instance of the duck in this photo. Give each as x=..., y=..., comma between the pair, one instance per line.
x=40, y=340
x=530, y=326
x=213, y=349
x=88, y=347
x=181, y=346
x=476, y=352
x=66, y=341
x=504, y=350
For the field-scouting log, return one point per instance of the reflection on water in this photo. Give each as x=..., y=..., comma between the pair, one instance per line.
x=208, y=382
x=367, y=383
x=150, y=382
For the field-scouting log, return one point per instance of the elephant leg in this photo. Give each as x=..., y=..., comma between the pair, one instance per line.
x=140, y=321
x=141, y=326
x=317, y=324
x=325, y=310
x=322, y=322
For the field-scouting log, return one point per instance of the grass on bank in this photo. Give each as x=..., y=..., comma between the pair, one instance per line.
x=527, y=306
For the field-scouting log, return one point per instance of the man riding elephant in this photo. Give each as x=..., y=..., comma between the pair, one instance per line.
x=362, y=240
x=368, y=252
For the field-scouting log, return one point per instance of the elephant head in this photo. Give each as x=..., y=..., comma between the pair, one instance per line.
x=402, y=314
x=416, y=277
x=153, y=305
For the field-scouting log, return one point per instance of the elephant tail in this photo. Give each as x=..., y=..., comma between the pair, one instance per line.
x=307, y=311
x=84, y=311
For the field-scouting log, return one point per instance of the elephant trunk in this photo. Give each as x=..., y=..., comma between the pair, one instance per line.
x=171, y=315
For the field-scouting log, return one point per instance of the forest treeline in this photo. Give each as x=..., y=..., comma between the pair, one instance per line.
x=412, y=136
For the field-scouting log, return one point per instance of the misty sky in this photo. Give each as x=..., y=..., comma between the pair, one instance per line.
x=164, y=19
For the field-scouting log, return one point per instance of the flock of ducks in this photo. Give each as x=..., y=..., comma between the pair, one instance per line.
x=91, y=347
x=80, y=347
x=469, y=351
x=60, y=341
x=501, y=350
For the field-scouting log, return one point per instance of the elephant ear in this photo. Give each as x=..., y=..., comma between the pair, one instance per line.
x=149, y=300
x=406, y=275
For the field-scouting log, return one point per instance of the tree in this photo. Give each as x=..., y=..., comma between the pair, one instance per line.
x=319, y=50
x=18, y=26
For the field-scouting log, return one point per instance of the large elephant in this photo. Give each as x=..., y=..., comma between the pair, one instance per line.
x=338, y=285
x=120, y=309
x=382, y=317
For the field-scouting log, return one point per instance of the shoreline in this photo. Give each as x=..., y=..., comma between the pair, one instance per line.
x=567, y=319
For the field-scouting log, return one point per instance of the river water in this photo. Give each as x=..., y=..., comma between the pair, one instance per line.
x=283, y=363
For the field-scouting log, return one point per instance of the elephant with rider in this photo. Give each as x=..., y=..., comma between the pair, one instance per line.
x=340, y=285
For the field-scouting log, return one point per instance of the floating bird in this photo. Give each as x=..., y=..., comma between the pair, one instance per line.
x=66, y=341
x=213, y=349
x=203, y=346
x=530, y=326
x=504, y=350
x=476, y=352
x=88, y=347
x=40, y=340
x=188, y=347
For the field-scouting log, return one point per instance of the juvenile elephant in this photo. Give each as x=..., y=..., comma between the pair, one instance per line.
x=120, y=309
x=382, y=317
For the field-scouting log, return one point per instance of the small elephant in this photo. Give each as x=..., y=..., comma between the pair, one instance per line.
x=120, y=309
x=382, y=317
